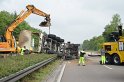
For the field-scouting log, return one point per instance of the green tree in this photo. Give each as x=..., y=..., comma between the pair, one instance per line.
x=116, y=20
x=95, y=42
x=85, y=44
x=5, y=20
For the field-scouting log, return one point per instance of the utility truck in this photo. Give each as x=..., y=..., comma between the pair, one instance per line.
x=115, y=48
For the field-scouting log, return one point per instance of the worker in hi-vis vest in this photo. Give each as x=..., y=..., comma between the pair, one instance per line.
x=103, y=56
x=81, y=59
x=22, y=50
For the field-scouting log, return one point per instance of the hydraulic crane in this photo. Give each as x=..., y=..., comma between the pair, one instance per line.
x=8, y=42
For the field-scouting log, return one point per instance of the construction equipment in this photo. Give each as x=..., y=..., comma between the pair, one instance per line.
x=7, y=42
x=115, y=48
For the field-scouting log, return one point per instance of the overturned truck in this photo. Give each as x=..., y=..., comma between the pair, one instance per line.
x=71, y=50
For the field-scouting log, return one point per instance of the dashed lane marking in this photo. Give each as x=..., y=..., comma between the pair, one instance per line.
x=107, y=67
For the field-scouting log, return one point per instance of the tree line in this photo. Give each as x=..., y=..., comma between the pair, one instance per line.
x=7, y=18
x=95, y=43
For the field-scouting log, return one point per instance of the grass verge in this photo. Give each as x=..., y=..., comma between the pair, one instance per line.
x=41, y=74
x=13, y=64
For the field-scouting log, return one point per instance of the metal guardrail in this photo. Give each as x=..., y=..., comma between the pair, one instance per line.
x=24, y=72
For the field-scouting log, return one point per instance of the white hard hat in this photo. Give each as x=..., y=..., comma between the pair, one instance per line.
x=83, y=51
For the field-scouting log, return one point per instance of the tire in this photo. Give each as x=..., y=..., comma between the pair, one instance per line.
x=108, y=59
x=61, y=40
x=116, y=59
x=57, y=39
x=52, y=36
x=48, y=40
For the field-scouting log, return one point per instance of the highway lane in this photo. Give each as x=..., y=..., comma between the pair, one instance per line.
x=92, y=72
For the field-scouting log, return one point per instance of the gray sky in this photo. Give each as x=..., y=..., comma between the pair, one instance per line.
x=73, y=20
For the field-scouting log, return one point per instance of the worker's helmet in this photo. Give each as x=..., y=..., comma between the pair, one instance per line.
x=82, y=51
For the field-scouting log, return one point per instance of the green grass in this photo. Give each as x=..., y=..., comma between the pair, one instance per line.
x=13, y=64
x=41, y=74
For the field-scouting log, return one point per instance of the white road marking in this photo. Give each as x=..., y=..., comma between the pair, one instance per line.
x=107, y=67
x=61, y=73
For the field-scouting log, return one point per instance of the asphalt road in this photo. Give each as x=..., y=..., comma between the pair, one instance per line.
x=92, y=72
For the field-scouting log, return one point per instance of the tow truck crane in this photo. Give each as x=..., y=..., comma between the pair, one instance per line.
x=8, y=42
x=115, y=48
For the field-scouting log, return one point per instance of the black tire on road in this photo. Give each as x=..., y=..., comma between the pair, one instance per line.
x=108, y=59
x=116, y=59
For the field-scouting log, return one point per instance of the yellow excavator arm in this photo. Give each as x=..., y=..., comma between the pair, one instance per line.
x=23, y=15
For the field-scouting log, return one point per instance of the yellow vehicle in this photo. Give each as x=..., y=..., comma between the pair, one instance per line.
x=8, y=42
x=115, y=48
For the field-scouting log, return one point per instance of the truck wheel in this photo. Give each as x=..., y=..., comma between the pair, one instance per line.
x=61, y=40
x=52, y=36
x=116, y=59
x=108, y=59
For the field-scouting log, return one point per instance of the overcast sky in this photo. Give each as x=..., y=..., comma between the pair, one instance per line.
x=72, y=20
